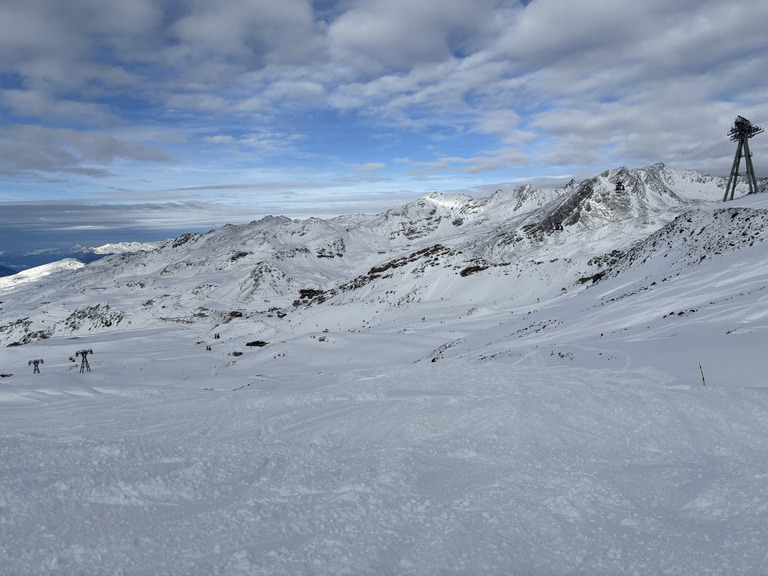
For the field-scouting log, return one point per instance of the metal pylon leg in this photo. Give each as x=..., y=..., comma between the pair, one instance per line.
x=734, y=173
x=750, y=169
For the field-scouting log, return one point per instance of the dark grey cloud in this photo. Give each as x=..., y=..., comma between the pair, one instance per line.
x=39, y=149
x=79, y=47
x=381, y=35
x=28, y=226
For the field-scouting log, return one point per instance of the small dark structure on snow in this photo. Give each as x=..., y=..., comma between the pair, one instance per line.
x=84, y=366
x=36, y=362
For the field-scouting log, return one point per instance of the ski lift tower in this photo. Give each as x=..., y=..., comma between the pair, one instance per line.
x=84, y=366
x=36, y=362
x=741, y=132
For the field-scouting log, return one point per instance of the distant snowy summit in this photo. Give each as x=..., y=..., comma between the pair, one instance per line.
x=13, y=262
x=123, y=247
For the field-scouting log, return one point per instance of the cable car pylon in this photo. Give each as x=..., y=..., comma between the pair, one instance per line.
x=741, y=132
x=84, y=366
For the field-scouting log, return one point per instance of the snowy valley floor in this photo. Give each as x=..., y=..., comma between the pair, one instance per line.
x=165, y=460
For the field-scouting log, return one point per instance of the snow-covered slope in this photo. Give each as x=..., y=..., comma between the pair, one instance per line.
x=456, y=386
x=34, y=275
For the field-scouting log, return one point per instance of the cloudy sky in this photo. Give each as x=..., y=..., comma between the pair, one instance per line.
x=193, y=113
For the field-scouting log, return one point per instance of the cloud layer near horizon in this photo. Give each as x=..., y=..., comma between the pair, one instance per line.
x=115, y=101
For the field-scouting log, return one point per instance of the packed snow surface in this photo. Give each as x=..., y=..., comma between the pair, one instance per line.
x=495, y=405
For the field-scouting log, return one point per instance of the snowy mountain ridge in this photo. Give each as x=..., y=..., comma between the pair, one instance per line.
x=19, y=261
x=438, y=244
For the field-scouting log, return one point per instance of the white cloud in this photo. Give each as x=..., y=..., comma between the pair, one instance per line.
x=221, y=139
x=370, y=167
x=37, y=104
x=302, y=92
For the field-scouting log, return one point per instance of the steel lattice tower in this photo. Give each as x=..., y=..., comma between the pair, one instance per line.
x=741, y=132
x=84, y=366
x=36, y=362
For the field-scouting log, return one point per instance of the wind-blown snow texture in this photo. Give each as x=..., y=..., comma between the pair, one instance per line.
x=503, y=385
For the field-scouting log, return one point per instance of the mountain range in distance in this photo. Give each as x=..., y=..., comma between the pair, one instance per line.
x=14, y=262
x=513, y=248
